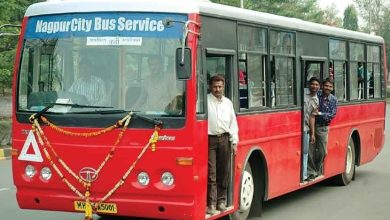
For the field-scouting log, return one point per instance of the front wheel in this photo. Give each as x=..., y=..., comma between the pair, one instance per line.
x=250, y=199
x=345, y=178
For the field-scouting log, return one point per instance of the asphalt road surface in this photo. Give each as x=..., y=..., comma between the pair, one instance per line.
x=366, y=198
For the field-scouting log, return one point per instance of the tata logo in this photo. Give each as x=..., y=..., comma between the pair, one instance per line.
x=88, y=174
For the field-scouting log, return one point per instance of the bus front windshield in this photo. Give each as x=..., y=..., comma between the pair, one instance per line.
x=121, y=60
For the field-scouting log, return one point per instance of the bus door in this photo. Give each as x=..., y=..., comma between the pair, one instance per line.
x=221, y=62
x=311, y=67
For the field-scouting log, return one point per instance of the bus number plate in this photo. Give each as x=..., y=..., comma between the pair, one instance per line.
x=102, y=208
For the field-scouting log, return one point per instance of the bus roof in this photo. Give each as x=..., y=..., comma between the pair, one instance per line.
x=194, y=6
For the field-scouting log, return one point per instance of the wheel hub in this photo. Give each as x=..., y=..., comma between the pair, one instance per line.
x=247, y=191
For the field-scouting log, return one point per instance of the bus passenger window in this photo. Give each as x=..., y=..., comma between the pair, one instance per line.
x=340, y=80
x=243, y=86
x=373, y=72
x=283, y=81
x=357, y=73
x=282, y=68
x=338, y=56
x=256, y=81
x=253, y=53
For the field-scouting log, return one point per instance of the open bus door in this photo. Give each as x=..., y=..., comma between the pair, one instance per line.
x=311, y=67
x=221, y=62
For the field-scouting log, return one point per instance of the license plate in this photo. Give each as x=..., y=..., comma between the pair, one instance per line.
x=102, y=208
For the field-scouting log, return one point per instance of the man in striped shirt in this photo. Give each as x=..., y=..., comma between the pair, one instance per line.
x=89, y=86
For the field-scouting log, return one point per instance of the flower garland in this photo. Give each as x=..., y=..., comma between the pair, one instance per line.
x=90, y=207
x=125, y=120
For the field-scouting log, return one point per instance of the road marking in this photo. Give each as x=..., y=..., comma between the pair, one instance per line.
x=4, y=189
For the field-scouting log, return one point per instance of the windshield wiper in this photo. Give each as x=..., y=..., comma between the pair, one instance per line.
x=51, y=105
x=134, y=115
x=150, y=120
x=111, y=111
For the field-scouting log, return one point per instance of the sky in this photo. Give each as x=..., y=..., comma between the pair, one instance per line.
x=340, y=4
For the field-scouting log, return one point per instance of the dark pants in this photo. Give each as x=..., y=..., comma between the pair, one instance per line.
x=218, y=169
x=311, y=163
x=321, y=148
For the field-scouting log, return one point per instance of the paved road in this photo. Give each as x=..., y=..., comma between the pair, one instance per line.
x=366, y=198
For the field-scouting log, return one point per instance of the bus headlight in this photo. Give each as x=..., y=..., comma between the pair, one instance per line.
x=46, y=173
x=167, y=179
x=30, y=171
x=143, y=178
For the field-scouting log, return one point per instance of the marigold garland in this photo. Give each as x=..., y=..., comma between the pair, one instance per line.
x=91, y=207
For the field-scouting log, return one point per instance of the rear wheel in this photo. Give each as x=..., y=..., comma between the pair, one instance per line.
x=345, y=178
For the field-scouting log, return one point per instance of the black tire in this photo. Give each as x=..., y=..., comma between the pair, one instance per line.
x=250, y=203
x=346, y=177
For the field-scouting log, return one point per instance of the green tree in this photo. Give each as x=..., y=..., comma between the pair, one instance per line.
x=372, y=12
x=235, y=3
x=304, y=9
x=330, y=16
x=384, y=31
x=12, y=12
x=350, y=21
x=375, y=13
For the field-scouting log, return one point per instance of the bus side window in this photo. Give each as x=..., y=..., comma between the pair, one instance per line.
x=243, y=85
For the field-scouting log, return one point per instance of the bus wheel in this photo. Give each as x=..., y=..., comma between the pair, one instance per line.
x=246, y=195
x=344, y=178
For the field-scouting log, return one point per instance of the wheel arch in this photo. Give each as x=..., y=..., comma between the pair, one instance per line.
x=258, y=162
x=355, y=135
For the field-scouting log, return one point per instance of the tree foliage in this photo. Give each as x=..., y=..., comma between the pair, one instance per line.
x=12, y=12
x=304, y=9
x=330, y=16
x=350, y=21
x=375, y=13
x=372, y=12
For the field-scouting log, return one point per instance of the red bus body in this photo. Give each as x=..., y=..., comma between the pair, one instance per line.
x=272, y=139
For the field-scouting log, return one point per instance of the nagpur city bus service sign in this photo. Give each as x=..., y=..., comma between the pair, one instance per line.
x=104, y=25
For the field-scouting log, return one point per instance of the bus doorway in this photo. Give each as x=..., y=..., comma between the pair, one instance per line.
x=220, y=64
x=311, y=67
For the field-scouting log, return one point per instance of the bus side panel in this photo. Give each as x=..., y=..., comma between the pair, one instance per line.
x=365, y=119
x=278, y=135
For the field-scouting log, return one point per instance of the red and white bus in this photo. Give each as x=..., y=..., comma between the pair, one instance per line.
x=132, y=141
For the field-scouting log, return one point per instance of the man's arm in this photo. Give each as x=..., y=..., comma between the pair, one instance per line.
x=312, y=122
x=233, y=130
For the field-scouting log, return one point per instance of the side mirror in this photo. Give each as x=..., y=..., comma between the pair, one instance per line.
x=183, y=63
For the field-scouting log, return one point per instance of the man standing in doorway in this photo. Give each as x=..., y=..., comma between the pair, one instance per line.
x=326, y=112
x=222, y=132
x=310, y=106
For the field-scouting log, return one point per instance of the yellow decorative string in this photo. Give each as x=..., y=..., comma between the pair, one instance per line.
x=66, y=167
x=153, y=139
x=90, y=207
